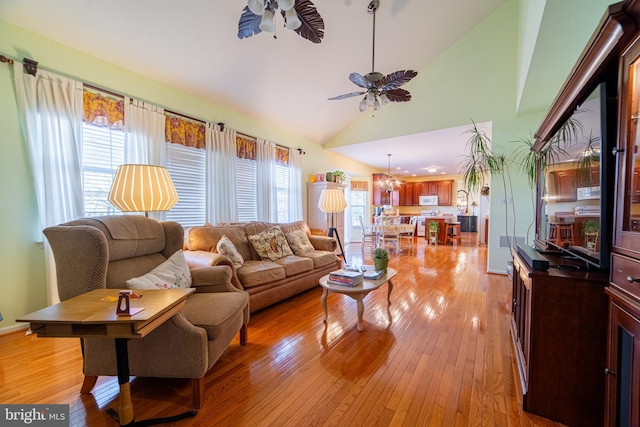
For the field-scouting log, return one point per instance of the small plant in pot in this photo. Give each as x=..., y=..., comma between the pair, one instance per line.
x=590, y=229
x=339, y=176
x=380, y=259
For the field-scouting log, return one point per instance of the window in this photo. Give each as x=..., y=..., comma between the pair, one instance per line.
x=246, y=177
x=186, y=165
x=282, y=192
x=358, y=204
x=102, y=153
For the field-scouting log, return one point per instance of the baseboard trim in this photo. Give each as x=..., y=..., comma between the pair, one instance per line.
x=13, y=328
x=500, y=272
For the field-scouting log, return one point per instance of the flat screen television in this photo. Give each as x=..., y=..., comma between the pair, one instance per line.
x=576, y=180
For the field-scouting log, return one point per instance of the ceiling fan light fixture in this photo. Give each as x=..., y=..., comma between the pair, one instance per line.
x=267, y=23
x=370, y=98
x=376, y=104
x=293, y=21
x=384, y=99
x=363, y=105
x=256, y=6
x=286, y=5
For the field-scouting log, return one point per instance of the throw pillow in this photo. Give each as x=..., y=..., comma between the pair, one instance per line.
x=172, y=274
x=270, y=245
x=226, y=247
x=299, y=242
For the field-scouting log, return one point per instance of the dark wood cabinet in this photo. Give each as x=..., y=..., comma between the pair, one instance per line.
x=566, y=182
x=445, y=193
x=559, y=330
x=588, y=177
x=623, y=362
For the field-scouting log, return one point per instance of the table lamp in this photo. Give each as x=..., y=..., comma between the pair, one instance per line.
x=332, y=201
x=142, y=188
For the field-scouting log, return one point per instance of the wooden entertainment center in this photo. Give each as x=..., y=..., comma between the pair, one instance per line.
x=576, y=325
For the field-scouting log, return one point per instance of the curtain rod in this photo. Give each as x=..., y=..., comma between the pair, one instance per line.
x=222, y=126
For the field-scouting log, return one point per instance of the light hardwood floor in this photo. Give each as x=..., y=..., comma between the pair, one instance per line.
x=440, y=355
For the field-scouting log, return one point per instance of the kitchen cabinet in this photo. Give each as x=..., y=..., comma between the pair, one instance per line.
x=432, y=188
x=424, y=188
x=559, y=331
x=318, y=220
x=380, y=197
x=566, y=185
x=408, y=194
x=445, y=193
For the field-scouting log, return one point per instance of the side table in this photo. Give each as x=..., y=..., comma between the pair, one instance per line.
x=93, y=314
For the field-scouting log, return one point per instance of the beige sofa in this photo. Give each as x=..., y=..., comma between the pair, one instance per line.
x=267, y=282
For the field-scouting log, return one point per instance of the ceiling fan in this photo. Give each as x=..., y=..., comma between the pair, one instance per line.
x=380, y=89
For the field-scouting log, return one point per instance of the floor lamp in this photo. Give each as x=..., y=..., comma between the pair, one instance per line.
x=142, y=188
x=332, y=201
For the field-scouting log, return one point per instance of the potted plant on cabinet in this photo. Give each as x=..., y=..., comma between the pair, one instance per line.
x=380, y=259
x=339, y=176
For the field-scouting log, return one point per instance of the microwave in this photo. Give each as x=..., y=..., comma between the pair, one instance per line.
x=428, y=200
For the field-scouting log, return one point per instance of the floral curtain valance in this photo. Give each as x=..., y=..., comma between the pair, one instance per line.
x=185, y=132
x=245, y=148
x=102, y=110
x=282, y=156
x=359, y=186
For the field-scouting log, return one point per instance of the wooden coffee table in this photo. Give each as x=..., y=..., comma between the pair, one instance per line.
x=357, y=292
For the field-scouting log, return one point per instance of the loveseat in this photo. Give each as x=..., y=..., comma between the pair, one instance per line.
x=266, y=281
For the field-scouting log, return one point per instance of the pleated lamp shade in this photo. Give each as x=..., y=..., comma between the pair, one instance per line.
x=142, y=188
x=332, y=200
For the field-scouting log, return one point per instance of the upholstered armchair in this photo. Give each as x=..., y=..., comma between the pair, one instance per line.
x=105, y=252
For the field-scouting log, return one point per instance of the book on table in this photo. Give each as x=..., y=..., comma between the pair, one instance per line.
x=345, y=277
x=373, y=274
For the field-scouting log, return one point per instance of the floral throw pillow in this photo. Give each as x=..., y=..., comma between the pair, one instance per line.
x=172, y=274
x=226, y=247
x=271, y=245
x=299, y=242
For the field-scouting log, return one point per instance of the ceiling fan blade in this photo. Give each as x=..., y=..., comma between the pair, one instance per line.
x=398, y=95
x=249, y=24
x=348, y=95
x=397, y=79
x=312, y=27
x=359, y=80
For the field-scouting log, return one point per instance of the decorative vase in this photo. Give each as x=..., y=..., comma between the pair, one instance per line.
x=381, y=264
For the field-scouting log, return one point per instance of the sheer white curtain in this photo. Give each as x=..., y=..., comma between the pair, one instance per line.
x=221, y=175
x=266, y=178
x=144, y=137
x=295, y=185
x=50, y=108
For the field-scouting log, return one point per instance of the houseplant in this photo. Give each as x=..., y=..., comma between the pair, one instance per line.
x=380, y=259
x=434, y=228
x=339, y=176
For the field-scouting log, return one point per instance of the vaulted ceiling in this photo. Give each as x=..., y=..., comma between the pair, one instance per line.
x=192, y=45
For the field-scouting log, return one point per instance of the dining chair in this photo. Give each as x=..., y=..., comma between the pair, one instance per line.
x=391, y=232
x=369, y=235
x=408, y=234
